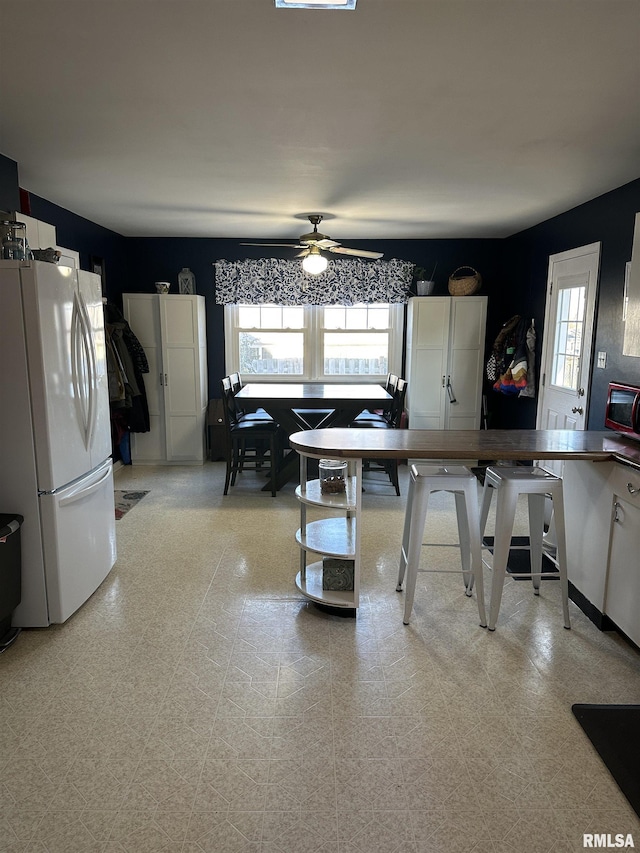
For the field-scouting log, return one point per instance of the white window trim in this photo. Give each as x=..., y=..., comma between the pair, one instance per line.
x=313, y=347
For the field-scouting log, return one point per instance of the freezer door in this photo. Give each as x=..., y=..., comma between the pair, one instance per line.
x=79, y=540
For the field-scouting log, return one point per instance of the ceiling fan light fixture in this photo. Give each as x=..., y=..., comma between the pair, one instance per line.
x=314, y=263
x=315, y=4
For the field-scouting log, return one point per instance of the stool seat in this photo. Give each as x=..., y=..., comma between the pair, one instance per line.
x=459, y=480
x=536, y=483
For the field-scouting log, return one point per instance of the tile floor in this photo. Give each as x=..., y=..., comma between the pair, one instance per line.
x=198, y=704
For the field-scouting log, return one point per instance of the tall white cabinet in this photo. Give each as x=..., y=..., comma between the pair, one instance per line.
x=172, y=331
x=444, y=361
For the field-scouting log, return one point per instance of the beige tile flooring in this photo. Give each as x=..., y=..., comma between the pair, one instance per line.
x=198, y=703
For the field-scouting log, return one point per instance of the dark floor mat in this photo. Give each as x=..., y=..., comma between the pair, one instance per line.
x=614, y=731
x=519, y=560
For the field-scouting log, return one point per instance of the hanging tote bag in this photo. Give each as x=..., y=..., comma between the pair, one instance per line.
x=462, y=283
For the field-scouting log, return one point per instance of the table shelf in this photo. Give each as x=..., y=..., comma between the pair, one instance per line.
x=336, y=535
x=311, y=587
x=312, y=495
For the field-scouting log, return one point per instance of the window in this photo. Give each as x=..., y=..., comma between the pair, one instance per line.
x=313, y=342
x=568, y=338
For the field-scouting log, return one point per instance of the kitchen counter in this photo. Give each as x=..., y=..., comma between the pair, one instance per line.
x=602, y=500
x=526, y=444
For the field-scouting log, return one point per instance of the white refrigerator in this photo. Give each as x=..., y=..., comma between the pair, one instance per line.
x=55, y=435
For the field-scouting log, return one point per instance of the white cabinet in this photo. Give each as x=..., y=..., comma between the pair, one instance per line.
x=603, y=539
x=40, y=235
x=622, y=594
x=444, y=361
x=335, y=534
x=172, y=332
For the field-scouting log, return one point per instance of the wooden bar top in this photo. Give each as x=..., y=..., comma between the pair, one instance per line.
x=526, y=444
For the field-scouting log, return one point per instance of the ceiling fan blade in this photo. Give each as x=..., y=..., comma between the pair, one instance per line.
x=357, y=253
x=325, y=243
x=288, y=245
x=303, y=253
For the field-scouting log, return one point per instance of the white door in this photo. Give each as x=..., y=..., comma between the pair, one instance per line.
x=179, y=323
x=466, y=354
x=567, y=341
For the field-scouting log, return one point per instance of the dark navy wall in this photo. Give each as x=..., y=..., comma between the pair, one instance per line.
x=9, y=190
x=608, y=219
x=87, y=238
x=514, y=275
x=161, y=259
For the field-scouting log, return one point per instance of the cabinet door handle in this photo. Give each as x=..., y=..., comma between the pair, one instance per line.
x=166, y=379
x=631, y=490
x=452, y=396
x=616, y=517
x=161, y=382
x=577, y=410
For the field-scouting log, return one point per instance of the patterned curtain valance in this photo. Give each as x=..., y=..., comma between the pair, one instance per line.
x=281, y=282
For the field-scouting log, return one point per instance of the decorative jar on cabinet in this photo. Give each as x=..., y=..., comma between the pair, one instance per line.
x=186, y=282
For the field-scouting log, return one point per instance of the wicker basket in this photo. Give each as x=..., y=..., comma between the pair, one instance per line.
x=464, y=284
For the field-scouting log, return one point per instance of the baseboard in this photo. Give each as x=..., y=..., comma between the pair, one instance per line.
x=599, y=619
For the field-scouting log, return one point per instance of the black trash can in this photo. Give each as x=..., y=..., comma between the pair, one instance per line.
x=10, y=576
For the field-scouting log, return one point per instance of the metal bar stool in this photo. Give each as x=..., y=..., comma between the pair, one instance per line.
x=459, y=480
x=510, y=482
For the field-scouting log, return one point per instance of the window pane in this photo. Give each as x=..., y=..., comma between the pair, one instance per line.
x=356, y=318
x=292, y=317
x=271, y=317
x=249, y=316
x=568, y=337
x=356, y=354
x=334, y=318
x=274, y=353
x=379, y=317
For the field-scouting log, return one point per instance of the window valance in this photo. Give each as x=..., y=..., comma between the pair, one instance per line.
x=283, y=282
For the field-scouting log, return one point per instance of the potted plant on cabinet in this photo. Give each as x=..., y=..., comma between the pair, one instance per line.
x=424, y=283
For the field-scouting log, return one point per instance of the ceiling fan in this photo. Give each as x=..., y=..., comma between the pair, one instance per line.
x=314, y=243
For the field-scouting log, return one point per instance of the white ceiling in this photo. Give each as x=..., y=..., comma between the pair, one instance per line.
x=403, y=119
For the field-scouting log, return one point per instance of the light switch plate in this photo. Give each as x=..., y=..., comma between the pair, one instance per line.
x=602, y=360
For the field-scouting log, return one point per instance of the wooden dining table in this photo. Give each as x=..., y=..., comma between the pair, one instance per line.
x=331, y=405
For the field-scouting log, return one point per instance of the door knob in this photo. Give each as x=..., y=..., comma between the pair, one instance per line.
x=577, y=410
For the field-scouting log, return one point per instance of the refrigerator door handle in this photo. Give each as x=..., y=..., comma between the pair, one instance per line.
x=81, y=491
x=83, y=353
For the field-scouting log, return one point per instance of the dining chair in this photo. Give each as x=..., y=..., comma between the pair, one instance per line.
x=233, y=383
x=388, y=420
x=249, y=443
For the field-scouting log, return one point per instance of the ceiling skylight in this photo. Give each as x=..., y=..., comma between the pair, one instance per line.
x=316, y=4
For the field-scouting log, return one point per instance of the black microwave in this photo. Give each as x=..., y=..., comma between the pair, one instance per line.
x=623, y=409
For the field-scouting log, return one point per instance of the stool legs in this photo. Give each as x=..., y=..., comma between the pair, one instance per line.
x=505, y=515
x=404, y=550
x=536, y=532
x=473, y=521
x=416, y=519
x=509, y=488
x=561, y=555
x=465, y=541
x=469, y=534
